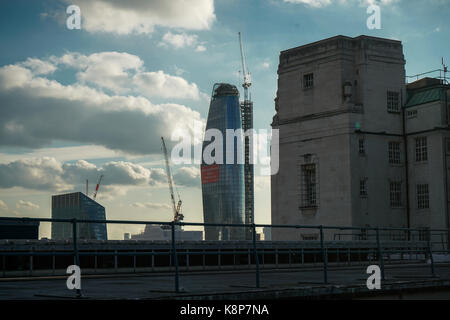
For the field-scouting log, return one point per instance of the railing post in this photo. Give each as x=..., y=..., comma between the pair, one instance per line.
x=174, y=259
x=75, y=249
x=380, y=254
x=324, y=257
x=255, y=253
x=430, y=252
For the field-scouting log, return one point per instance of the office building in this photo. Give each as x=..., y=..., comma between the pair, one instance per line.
x=78, y=206
x=157, y=233
x=19, y=230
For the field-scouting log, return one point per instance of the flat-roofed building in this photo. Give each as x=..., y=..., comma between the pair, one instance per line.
x=358, y=146
x=78, y=206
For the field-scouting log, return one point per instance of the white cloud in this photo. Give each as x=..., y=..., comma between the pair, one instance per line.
x=64, y=153
x=324, y=3
x=312, y=3
x=124, y=73
x=110, y=70
x=187, y=176
x=36, y=110
x=200, y=48
x=22, y=204
x=141, y=16
x=182, y=40
x=38, y=66
x=44, y=173
x=151, y=205
x=179, y=71
x=166, y=86
x=179, y=40
x=6, y=211
x=3, y=206
x=50, y=174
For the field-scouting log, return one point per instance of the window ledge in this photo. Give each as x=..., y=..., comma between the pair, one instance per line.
x=308, y=210
x=396, y=164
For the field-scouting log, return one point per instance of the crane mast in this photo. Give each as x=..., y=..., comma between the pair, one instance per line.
x=247, y=125
x=98, y=186
x=247, y=81
x=177, y=216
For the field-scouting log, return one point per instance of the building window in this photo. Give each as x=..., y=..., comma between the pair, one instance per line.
x=308, y=80
x=424, y=234
x=412, y=114
x=423, y=197
x=362, y=146
x=363, y=187
x=310, y=237
x=395, y=194
x=309, y=185
x=393, y=104
x=421, y=149
x=394, y=152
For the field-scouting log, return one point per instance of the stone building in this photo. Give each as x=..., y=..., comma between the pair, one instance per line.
x=343, y=111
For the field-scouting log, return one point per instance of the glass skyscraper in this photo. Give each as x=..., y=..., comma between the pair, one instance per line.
x=78, y=206
x=223, y=183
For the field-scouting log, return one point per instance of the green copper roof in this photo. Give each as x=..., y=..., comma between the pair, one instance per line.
x=423, y=96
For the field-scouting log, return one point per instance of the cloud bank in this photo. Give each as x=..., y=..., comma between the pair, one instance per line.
x=37, y=110
x=142, y=16
x=49, y=174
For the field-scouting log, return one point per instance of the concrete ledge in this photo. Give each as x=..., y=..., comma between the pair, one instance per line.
x=333, y=292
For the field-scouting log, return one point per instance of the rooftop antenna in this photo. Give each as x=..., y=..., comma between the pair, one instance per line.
x=445, y=69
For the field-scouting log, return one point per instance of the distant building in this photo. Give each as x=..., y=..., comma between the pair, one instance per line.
x=357, y=146
x=223, y=183
x=427, y=121
x=19, y=230
x=153, y=232
x=267, y=232
x=79, y=206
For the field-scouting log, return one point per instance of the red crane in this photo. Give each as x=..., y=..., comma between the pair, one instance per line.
x=98, y=185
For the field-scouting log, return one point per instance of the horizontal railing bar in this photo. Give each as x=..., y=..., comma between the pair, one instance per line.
x=222, y=224
x=243, y=252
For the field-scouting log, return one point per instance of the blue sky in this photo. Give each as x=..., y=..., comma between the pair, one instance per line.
x=110, y=85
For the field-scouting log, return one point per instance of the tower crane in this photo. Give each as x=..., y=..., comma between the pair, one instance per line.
x=177, y=216
x=247, y=124
x=98, y=185
x=247, y=80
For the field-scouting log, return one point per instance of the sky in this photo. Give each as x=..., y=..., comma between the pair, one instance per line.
x=77, y=103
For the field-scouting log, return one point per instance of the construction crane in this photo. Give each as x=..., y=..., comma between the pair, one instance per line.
x=247, y=125
x=177, y=216
x=98, y=185
x=247, y=80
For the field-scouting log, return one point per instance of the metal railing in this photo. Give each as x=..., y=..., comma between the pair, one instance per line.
x=324, y=251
